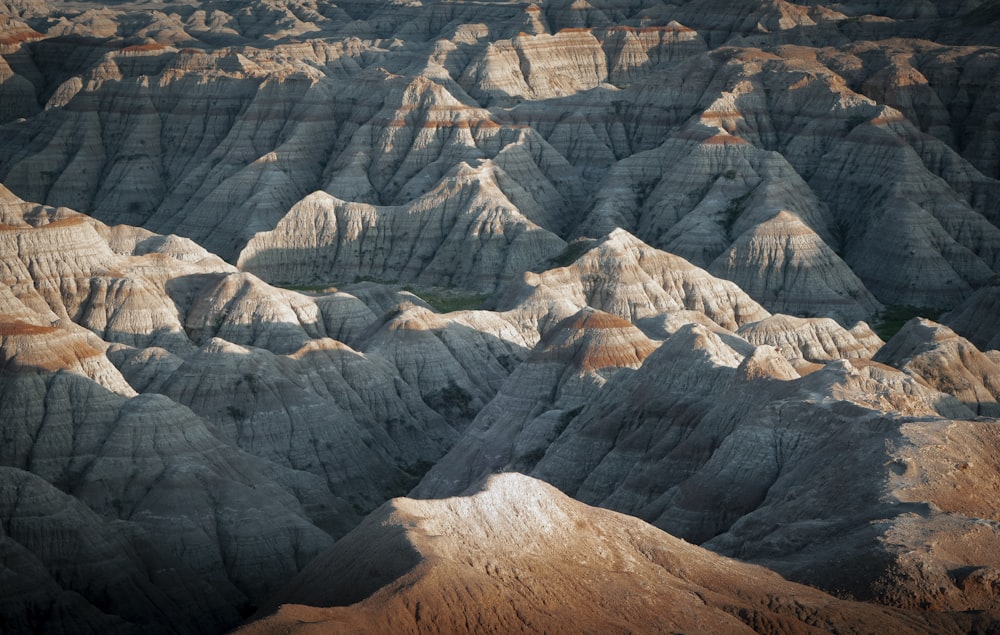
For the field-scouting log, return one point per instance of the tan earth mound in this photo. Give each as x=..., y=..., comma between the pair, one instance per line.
x=519, y=556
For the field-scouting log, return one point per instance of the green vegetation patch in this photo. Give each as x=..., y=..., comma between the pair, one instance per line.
x=890, y=320
x=449, y=300
x=307, y=288
x=572, y=252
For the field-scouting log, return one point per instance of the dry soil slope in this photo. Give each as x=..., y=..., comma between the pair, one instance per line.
x=519, y=556
x=194, y=473
x=760, y=474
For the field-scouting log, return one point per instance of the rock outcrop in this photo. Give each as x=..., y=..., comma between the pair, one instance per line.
x=630, y=248
x=949, y=363
x=623, y=276
x=660, y=443
x=686, y=125
x=201, y=472
x=519, y=555
x=465, y=234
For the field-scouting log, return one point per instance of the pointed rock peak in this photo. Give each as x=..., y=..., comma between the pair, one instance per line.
x=695, y=340
x=783, y=264
x=765, y=363
x=620, y=236
x=627, y=247
x=589, y=318
x=916, y=337
x=785, y=216
x=591, y=340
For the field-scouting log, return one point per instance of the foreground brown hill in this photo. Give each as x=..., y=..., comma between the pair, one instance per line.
x=520, y=557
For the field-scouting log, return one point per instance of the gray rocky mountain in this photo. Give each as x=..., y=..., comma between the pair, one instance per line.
x=651, y=252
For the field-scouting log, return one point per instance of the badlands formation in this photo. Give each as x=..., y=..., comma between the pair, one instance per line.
x=499, y=316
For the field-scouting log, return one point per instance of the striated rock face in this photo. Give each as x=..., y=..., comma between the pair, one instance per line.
x=208, y=435
x=812, y=339
x=688, y=125
x=974, y=318
x=625, y=277
x=575, y=358
x=947, y=362
x=641, y=244
x=155, y=512
x=660, y=443
x=465, y=233
x=787, y=267
x=518, y=554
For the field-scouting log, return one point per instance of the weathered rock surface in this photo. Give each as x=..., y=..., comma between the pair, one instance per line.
x=224, y=118
x=519, y=555
x=788, y=268
x=947, y=362
x=659, y=443
x=215, y=468
x=812, y=339
x=465, y=233
x=574, y=359
x=686, y=213
x=975, y=318
x=623, y=276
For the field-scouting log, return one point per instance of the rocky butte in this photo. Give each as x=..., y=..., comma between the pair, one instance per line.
x=453, y=316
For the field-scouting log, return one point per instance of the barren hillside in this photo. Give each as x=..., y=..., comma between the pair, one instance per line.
x=728, y=268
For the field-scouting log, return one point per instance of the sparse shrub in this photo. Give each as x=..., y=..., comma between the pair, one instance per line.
x=572, y=253
x=449, y=300
x=452, y=401
x=894, y=316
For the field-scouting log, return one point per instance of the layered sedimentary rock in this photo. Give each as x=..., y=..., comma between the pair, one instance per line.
x=457, y=362
x=974, y=318
x=465, y=233
x=812, y=339
x=519, y=555
x=380, y=105
x=218, y=467
x=788, y=268
x=575, y=358
x=659, y=443
x=688, y=214
x=946, y=361
x=623, y=276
